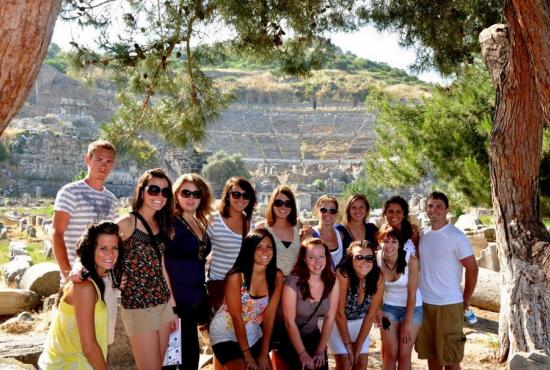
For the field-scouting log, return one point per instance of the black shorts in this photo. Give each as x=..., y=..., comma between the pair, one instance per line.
x=229, y=351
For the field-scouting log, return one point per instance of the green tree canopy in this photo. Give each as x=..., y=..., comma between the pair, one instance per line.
x=222, y=166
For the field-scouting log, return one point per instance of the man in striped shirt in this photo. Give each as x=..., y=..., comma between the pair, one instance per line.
x=81, y=203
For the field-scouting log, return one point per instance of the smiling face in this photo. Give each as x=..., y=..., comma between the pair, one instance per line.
x=264, y=252
x=237, y=204
x=106, y=253
x=437, y=212
x=394, y=215
x=157, y=201
x=315, y=259
x=361, y=265
x=186, y=197
x=390, y=246
x=280, y=206
x=327, y=211
x=358, y=210
x=100, y=163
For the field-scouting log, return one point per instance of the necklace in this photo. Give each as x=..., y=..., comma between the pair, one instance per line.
x=392, y=269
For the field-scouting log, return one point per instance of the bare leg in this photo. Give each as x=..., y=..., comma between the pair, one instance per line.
x=342, y=362
x=390, y=341
x=362, y=362
x=146, y=348
x=405, y=350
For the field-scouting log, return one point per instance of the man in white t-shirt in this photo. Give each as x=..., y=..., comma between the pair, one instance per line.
x=444, y=253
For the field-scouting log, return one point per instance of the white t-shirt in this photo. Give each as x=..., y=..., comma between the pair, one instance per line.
x=440, y=268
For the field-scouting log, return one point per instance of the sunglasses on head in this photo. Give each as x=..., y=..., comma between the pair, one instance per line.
x=155, y=190
x=185, y=193
x=367, y=258
x=238, y=195
x=279, y=203
x=332, y=211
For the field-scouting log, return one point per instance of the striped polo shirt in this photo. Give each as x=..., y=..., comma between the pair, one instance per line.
x=86, y=206
x=226, y=246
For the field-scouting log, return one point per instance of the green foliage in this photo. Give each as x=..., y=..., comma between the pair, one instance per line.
x=365, y=186
x=4, y=153
x=34, y=249
x=319, y=185
x=445, y=135
x=56, y=58
x=222, y=166
x=445, y=32
x=81, y=175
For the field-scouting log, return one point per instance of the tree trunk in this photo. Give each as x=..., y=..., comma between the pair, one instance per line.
x=26, y=28
x=520, y=68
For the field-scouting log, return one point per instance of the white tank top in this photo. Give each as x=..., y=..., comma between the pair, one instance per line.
x=395, y=292
x=337, y=254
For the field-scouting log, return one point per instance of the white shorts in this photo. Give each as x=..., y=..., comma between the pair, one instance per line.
x=336, y=344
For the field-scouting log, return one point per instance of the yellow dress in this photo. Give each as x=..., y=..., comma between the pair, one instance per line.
x=63, y=349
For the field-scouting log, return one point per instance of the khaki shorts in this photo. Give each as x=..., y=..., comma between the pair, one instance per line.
x=441, y=336
x=142, y=320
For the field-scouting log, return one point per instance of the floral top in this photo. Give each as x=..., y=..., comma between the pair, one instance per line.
x=353, y=309
x=145, y=284
x=252, y=311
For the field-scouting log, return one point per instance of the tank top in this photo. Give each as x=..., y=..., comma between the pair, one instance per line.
x=252, y=311
x=336, y=254
x=353, y=309
x=395, y=292
x=286, y=256
x=63, y=349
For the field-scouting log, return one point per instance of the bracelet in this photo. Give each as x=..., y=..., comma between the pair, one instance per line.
x=301, y=353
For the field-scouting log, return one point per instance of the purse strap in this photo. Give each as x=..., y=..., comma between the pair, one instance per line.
x=313, y=314
x=149, y=232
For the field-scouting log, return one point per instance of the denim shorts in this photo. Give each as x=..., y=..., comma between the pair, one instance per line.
x=397, y=313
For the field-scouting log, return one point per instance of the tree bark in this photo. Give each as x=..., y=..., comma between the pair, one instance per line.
x=522, y=81
x=26, y=28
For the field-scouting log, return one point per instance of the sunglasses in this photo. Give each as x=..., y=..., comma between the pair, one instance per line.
x=238, y=195
x=280, y=203
x=368, y=258
x=154, y=190
x=332, y=211
x=190, y=194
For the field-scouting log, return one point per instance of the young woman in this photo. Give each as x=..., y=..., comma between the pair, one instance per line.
x=396, y=213
x=310, y=293
x=402, y=300
x=282, y=223
x=354, y=225
x=327, y=210
x=77, y=337
x=361, y=292
x=147, y=300
x=226, y=232
x=241, y=329
x=185, y=258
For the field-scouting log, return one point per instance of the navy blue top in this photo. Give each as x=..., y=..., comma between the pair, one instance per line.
x=184, y=258
x=370, y=234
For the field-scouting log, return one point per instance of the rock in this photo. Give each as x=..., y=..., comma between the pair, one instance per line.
x=14, y=301
x=32, y=219
x=24, y=348
x=489, y=258
x=490, y=234
x=16, y=248
x=478, y=241
x=43, y=278
x=49, y=302
x=451, y=219
x=21, y=323
x=39, y=221
x=14, y=270
x=487, y=292
x=22, y=224
x=119, y=354
x=536, y=360
x=3, y=233
x=467, y=222
x=13, y=364
x=47, y=248
x=31, y=231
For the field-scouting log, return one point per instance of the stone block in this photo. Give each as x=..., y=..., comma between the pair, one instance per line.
x=14, y=301
x=3, y=233
x=43, y=278
x=489, y=258
x=490, y=234
x=31, y=231
x=23, y=224
x=13, y=271
x=536, y=360
x=24, y=348
x=47, y=248
x=487, y=291
x=17, y=248
x=467, y=222
x=21, y=323
x=478, y=241
x=13, y=364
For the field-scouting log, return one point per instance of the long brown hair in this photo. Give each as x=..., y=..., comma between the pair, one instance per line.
x=246, y=186
x=205, y=206
x=302, y=272
x=354, y=198
x=270, y=213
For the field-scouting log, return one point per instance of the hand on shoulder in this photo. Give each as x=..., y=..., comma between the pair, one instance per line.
x=126, y=225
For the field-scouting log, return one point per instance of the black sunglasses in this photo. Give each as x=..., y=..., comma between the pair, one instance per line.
x=155, y=190
x=332, y=211
x=279, y=203
x=190, y=194
x=368, y=258
x=238, y=195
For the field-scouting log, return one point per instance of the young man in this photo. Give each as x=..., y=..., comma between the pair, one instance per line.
x=444, y=252
x=82, y=202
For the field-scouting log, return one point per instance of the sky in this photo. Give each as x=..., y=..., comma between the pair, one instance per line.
x=366, y=43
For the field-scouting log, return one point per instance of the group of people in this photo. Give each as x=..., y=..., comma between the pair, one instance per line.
x=274, y=294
